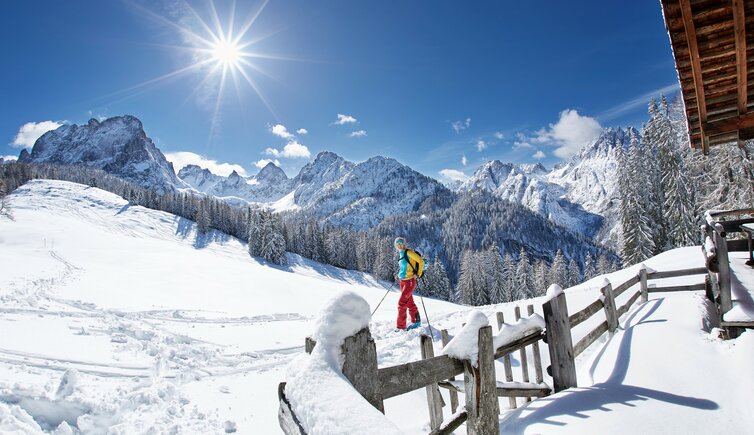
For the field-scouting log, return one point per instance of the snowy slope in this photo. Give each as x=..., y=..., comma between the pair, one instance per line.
x=165, y=329
x=116, y=145
x=122, y=318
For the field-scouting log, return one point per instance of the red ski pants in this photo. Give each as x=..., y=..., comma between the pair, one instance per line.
x=407, y=301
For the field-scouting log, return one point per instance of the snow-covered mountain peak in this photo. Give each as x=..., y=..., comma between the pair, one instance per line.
x=271, y=173
x=117, y=145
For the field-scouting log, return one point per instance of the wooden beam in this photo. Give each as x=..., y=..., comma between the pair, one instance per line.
x=731, y=124
x=677, y=273
x=739, y=29
x=434, y=399
x=696, y=68
x=455, y=422
x=578, y=317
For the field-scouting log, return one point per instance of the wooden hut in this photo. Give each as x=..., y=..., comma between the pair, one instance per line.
x=712, y=41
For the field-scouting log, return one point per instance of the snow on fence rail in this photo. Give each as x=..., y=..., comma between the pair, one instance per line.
x=473, y=351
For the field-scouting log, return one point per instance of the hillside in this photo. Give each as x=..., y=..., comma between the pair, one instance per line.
x=123, y=318
x=165, y=329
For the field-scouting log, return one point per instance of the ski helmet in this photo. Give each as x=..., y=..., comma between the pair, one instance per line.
x=399, y=242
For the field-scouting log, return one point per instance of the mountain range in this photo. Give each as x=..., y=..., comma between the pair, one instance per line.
x=579, y=195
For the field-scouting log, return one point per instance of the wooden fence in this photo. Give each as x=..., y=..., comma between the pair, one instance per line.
x=718, y=225
x=480, y=388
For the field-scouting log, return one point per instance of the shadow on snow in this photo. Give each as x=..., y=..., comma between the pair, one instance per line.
x=577, y=402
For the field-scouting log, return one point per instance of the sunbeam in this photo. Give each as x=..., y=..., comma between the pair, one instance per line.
x=217, y=49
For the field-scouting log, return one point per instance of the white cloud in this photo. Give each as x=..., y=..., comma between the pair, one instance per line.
x=539, y=155
x=9, y=158
x=31, y=131
x=570, y=133
x=459, y=126
x=637, y=102
x=359, y=133
x=454, y=175
x=345, y=119
x=291, y=150
x=302, y=131
x=520, y=144
x=280, y=130
x=464, y=160
x=181, y=159
x=264, y=162
x=499, y=135
x=481, y=145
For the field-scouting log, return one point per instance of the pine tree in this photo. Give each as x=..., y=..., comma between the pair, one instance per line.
x=604, y=265
x=203, y=216
x=495, y=274
x=589, y=269
x=541, y=275
x=509, y=277
x=559, y=271
x=465, y=289
x=524, y=278
x=638, y=242
x=574, y=274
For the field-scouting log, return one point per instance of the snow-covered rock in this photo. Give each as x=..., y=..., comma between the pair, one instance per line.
x=116, y=145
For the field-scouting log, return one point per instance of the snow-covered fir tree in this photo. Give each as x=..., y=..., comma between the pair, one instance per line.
x=525, y=287
x=590, y=270
x=558, y=271
x=574, y=274
x=493, y=267
x=435, y=282
x=638, y=242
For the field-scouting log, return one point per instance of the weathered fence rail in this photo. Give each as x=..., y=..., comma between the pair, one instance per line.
x=480, y=388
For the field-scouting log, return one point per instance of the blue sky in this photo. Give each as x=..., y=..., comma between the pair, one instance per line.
x=439, y=85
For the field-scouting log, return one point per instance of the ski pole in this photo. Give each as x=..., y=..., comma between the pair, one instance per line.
x=429, y=325
x=383, y=298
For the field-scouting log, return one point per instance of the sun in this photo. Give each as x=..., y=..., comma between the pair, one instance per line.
x=221, y=51
x=227, y=53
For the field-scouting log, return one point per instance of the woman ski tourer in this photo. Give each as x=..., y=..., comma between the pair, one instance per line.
x=410, y=267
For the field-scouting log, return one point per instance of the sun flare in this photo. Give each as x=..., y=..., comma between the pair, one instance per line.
x=226, y=53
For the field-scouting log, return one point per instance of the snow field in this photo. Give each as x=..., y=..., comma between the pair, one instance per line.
x=168, y=330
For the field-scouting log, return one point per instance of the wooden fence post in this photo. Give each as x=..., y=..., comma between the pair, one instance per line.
x=723, y=266
x=481, y=389
x=360, y=367
x=434, y=399
x=610, y=312
x=643, y=282
x=559, y=343
x=522, y=353
x=309, y=344
x=507, y=363
x=537, y=357
x=453, y=393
